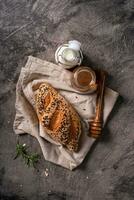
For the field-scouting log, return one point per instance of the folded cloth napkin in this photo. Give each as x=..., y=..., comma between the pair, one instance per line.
x=37, y=71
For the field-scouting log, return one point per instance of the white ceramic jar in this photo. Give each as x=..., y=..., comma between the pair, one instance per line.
x=69, y=55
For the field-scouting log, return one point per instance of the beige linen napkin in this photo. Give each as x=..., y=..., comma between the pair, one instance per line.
x=26, y=121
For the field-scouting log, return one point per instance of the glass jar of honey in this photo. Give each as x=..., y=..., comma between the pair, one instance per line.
x=84, y=79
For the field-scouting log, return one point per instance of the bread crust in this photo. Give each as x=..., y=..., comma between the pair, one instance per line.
x=58, y=117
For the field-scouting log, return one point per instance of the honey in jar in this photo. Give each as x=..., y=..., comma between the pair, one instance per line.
x=84, y=79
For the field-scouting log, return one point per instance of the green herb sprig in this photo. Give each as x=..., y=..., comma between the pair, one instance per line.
x=30, y=158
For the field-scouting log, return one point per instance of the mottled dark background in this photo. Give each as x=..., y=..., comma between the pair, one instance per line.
x=106, y=30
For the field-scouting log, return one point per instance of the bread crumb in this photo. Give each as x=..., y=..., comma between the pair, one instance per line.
x=87, y=177
x=46, y=172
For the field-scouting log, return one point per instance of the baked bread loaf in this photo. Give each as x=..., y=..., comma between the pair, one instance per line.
x=58, y=117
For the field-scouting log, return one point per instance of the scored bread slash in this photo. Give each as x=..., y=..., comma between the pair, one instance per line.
x=58, y=118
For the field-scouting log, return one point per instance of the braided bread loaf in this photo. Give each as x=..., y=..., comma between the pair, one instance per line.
x=58, y=117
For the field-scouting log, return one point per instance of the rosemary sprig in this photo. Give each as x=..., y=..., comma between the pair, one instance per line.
x=30, y=158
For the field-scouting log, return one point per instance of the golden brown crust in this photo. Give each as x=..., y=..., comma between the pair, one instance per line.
x=58, y=117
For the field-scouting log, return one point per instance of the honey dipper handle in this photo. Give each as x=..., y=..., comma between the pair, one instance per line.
x=100, y=97
x=97, y=124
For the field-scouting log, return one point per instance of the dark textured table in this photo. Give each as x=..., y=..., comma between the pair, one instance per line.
x=106, y=30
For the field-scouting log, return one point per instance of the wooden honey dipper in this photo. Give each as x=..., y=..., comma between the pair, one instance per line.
x=97, y=123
